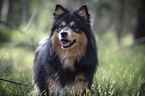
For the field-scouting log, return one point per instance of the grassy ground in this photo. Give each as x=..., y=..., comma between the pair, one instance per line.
x=120, y=73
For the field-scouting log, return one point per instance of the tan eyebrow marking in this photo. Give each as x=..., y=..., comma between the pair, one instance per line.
x=63, y=23
x=72, y=23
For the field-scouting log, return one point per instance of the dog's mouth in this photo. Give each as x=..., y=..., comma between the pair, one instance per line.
x=67, y=43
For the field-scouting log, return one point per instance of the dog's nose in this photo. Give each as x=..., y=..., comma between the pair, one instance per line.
x=64, y=34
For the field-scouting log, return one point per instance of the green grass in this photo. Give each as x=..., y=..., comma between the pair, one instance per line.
x=17, y=66
x=120, y=71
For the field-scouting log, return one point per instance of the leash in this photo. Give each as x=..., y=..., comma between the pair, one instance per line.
x=15, y=82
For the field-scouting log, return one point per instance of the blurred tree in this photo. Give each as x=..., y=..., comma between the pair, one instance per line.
x=4, y=32
x=11, y=12
x=26, y=11
x=4, y=10
x=1, y=3
x=105, y=14
x=140, y=29
x=120, y=20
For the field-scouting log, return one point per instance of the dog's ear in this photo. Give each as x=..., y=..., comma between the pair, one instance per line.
x=83, y=13
x=59, y=10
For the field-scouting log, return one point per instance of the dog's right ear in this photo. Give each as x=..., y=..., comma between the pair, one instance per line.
x=59, y=11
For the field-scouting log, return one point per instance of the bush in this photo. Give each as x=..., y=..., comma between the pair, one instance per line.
x=4, y=34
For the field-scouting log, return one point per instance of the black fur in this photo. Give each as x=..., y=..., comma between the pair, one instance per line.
x=47, y=63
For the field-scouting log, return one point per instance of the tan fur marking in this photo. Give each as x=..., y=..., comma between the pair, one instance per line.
x=80, y=84
x=52, y=83
x=63, y=23
x=80, y=76
x=72, y=23
x=69, y=62
x=68, y=56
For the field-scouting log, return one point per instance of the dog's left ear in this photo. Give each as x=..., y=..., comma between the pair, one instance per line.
x=83, y=13
x=59, y=10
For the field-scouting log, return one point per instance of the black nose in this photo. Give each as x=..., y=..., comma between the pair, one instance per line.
x=64, y=34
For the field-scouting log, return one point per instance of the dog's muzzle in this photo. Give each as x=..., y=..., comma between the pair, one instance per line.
x=64, y=34
x=65, y=41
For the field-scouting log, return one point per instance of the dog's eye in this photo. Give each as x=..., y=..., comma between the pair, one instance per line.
x=61, y=26
x=74, y=27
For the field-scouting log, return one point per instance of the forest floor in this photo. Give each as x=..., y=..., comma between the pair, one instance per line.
x=120, y=72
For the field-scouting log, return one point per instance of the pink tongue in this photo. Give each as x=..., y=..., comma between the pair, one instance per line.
x=64, y=43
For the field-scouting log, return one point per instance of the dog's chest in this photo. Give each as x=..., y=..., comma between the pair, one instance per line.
x=68, y=63
x=68, y=76
x=68, y=60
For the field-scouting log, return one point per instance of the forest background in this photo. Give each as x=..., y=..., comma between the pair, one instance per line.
x=119, y=26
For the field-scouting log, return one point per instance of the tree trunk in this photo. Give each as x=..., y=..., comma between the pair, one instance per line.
x=139, y=35
x=11, y=13
x=25, y=11
x=4, y=10
x=1, y=4
x=120, y=22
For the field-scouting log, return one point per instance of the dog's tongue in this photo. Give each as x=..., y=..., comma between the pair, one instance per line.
x=65, y=43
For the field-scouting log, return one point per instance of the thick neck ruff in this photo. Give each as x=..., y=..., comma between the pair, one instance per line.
x=69, y=56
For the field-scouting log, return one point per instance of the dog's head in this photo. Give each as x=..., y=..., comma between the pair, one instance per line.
x=69, y=29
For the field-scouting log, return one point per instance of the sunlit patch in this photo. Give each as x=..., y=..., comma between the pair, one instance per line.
x=72, y=23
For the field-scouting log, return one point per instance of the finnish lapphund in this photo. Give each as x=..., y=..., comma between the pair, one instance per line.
x=67, y=58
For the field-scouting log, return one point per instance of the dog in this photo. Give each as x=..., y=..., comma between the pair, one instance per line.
x=67, y=58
